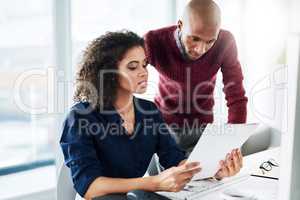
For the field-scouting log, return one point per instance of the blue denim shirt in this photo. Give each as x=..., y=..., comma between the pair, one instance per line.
x=96, y=144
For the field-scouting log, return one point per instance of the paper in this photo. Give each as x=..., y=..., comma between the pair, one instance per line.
x=216, y=141
x=261, y=188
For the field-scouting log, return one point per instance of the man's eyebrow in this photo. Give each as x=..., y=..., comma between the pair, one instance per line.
x=198, y=37
x=212, y=40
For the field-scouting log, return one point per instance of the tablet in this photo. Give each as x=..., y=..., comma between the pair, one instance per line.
x=216, y=141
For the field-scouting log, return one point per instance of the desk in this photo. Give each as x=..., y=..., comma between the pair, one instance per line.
x=253, y=161
x=263, y=188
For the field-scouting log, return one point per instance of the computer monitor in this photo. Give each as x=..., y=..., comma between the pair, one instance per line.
x=289, y=182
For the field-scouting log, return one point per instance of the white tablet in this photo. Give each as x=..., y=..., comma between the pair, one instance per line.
x=216, y=141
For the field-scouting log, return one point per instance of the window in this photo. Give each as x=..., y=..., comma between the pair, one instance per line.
x=92, y=18
x=27, y=45
x=26, y=42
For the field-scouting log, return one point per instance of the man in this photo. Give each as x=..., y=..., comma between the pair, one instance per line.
x=188, y=57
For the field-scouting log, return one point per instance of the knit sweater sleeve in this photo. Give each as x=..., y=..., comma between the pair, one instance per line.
x=233, y=84
x=150, y=45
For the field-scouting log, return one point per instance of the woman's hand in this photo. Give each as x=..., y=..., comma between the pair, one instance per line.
x=231, y=166
x=182, y=162
x=174, y=179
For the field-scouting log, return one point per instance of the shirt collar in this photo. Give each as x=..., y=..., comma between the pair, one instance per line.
x=112, y=115
x=138, y=111
x=177, y=36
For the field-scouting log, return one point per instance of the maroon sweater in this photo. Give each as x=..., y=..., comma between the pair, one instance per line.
x=186, y=87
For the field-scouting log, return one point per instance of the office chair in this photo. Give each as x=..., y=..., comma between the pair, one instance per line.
x=64, y=187
x=65, y=190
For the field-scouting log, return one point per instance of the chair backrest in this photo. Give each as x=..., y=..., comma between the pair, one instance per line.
x=154, y=167
x=65, y=190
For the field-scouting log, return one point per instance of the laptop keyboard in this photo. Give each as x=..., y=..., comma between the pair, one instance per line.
x=196, y=189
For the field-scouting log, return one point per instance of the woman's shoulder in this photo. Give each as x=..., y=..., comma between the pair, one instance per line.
x=81, y=110
x=80, y=106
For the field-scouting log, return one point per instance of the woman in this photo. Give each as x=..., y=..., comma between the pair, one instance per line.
x=110, y=136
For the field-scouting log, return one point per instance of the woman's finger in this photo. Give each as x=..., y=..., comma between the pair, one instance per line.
x=189, y=174
x=229, y=165
x=223, y=171
x=236, y=162
x=240, y=157
x=189, y=167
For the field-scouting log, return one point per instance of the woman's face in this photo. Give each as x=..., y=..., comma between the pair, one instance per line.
x=133, y=74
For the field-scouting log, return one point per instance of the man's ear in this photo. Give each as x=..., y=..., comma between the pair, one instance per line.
x=179, y=25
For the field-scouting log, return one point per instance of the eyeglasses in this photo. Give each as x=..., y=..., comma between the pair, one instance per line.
x=268, y=165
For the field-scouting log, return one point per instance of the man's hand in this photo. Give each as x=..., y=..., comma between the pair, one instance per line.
x=231, y=166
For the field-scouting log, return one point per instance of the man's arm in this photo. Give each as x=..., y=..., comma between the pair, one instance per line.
x=233, y=85
x=149, y=47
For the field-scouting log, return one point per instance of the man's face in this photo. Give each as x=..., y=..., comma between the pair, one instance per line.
x=196, y=37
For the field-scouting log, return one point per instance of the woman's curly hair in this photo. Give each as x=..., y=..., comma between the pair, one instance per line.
x=97, y=78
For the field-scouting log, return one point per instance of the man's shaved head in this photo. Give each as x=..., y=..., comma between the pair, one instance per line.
x=199, y=27
x=207, y=10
